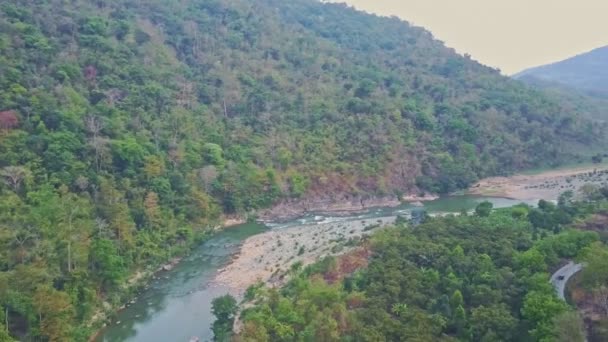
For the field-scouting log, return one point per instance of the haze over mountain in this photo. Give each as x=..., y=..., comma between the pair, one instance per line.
x=587, y=73
x=129, y=129
x=547, y=30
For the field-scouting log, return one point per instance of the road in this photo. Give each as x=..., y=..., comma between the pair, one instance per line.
x=560, y=278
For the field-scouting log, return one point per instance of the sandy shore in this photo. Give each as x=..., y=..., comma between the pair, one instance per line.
x=546, y=185
x=267, y=257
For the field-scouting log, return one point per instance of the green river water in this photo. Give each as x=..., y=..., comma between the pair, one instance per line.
x=177, y=305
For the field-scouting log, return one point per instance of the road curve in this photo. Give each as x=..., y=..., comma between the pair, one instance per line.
x=560, y=278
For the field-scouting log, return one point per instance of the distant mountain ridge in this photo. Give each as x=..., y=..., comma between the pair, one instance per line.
x=586, y=72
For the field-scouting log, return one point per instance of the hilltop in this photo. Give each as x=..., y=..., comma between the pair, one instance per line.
x=587, y=73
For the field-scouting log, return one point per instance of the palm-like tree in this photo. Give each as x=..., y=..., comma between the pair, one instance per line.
x=399, y=309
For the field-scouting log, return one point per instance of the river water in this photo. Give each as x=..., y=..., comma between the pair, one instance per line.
x=177, y=305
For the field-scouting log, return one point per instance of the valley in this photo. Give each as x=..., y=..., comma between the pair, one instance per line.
x=240, y=256
x=267, y=254
x=131, y=132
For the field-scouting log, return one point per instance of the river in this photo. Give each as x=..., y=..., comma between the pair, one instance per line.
x=177, y=305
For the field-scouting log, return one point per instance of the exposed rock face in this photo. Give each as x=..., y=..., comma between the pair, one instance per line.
x=336, y=205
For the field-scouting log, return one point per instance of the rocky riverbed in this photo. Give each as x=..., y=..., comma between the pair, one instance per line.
x=546, y=185
x=268, y=256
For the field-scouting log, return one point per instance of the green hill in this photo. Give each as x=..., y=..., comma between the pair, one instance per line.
x=128, y=128
x=587, y=73
x=593, y=105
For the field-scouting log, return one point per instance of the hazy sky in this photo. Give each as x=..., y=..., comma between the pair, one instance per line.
x=509, y=34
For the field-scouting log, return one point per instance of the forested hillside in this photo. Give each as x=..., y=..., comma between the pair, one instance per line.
x=594, y=105
x=481, y=277
x=587, y=73
x=127, y=128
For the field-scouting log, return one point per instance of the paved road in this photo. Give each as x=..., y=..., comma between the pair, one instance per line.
x=561, y=277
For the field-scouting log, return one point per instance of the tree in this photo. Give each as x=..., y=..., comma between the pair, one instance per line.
x=595, y=274
x=298, y=185
x=493, y=323
x=152, y=210
x=8, y=120
x=94, y=125
x=74, y=228
x=569, y=327
x=590, y=191
x=129, y=154
x=565, y=198
x=208, y=175
x=484, y=209
x=532, y=260
x=116, y=210
x=540, y=309
x=106, y=263
x=4, y=335
x=399, y=309
x=55, y=313
x=154, y=166
x=604, y=191
x=456, y=300
x=14, y=176
x=213, y=154
x=224, y=309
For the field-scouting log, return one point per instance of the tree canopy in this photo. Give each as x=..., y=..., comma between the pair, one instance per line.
x=454, y=278
x=128, y=128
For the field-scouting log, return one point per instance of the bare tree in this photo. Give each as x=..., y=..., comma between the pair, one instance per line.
x=22, y=240
x=175, y=152
x=14, y=176
x=82, y=183
x=191, y=28
x=103, y=230
x=185, y=97
x=114, y=95
x=600, y=295
x=94, y=125
x=208, y=175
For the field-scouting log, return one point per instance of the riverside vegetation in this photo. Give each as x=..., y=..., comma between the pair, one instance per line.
x=129, y=128
x=476, y=277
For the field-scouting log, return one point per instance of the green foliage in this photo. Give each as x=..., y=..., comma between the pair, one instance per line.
x=468, y=278
x=569, y=327
x=224, y=308
x=484, y=209
x=493, y=323
x=540, y=309
x=107, y=262
x=595, y=273
x=128, y=128
x=213, y=154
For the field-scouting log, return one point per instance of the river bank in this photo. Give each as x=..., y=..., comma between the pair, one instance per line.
x=338, y=205
x=295, y=231
x=142, y=279
x=268, y=256
x=181, y=298
x=546, y=185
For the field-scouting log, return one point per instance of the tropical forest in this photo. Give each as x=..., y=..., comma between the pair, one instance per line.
x=133, y=131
